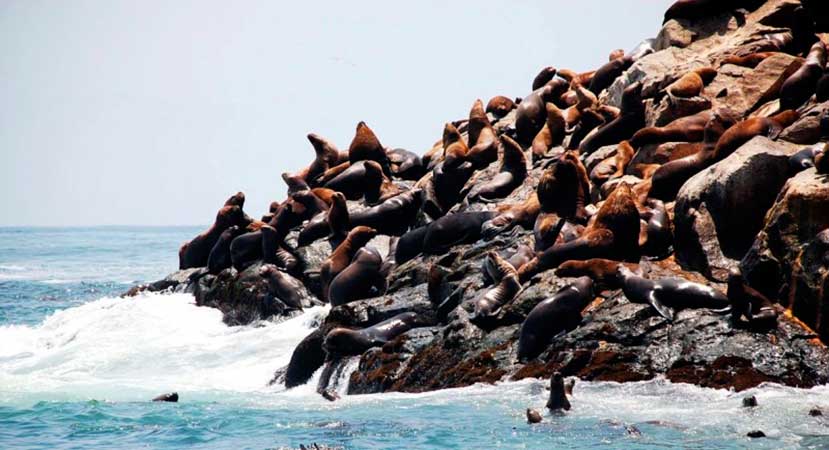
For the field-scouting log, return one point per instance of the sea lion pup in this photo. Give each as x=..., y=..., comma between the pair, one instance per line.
x=406, y=165
x=195, y=252
x=560, y=313
x=345, y=342
x=667, y=295
x=800, y=86
x=366, y=147
x=510, y=215
x=454, y=229
x=483, y=141
x=360, y=279
x=589, y=121
x=623, y=127
x=613, y=166
x=544, y=77
x=699, y=9
x=282, y=286
x=748, y=303
x=612, y=233
x=499, y=106
x=531, y=114
x=751, y=60
x=692, y=83
x=512, y=174
x=552, y=133
x=507, y=289
x=685, y=129
x=219, y=258
x=558, y=397
x=392, y=217
x=343, y=254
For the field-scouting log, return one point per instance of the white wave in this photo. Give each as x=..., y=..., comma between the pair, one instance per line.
x=129, y=348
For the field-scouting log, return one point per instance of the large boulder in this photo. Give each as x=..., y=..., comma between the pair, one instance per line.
x=742, y=90
x=720, y=210
x=788, y=260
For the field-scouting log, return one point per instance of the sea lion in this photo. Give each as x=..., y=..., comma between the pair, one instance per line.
x=544, y=77
x=405, y=165
x=196, y=252
x=751, y=60
x=326, y=156
x=565, y=188
x=511, y=175
x=659, y=237
x=612, y=233
x=335, y=223
x=493, y=299
x=313, y=204
x=346, y=342
x=410, y=245
x=444, y=188
x=583, y=78
x=295, y=183
x=392, y=217
x=558, y=314
x=669, y=294
x=454, y=229
x=700, y=9
x=282, y=286
x=219, y=258
x=800, y=86
x=343, y=254
x=822, y=89
x=454, y=148
x=171, y=397
x=616, y=54
x=685, y=129
x=531, y=114
x=378, y=187
x=805, y=157
x=692, y=83
x=747, y=302
x=360, y=279
x=611, y=70
x=589, y=121
x=612, y=166
x=363, y=179
x=552, y=133
x=511, y=215
x=500, y=106
x=533, y=416
x=623, y=127
x=326, y=151
x=546, y=230
x=604, y=272
x=366, y=147
x=483, y=142
x=822, y=161
x=558, y=397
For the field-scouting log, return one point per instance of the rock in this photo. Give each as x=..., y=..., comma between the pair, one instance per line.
x=807, y=129
x=749, y=88
x=786, y=261
x=756, y=434
x=720, y=210
x=672, y=108
x=171, y=397
x=815, y=412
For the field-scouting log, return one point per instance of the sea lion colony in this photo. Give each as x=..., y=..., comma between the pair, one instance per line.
x=593, y=225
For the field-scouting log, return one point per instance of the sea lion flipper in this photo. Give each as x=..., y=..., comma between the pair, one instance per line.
x=665, y=311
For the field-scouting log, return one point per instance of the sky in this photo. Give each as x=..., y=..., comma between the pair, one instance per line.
x=154, y=112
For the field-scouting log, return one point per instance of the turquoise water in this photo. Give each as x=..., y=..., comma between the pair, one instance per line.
x=78, y=364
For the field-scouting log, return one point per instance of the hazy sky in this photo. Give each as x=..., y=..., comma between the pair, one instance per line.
x=154, y=112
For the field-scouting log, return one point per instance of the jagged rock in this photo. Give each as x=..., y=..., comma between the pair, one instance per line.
x=672, y=108
x=787, y=260
x=178, y=281
x=719, y=211
x=747, y=88
x=807, y=129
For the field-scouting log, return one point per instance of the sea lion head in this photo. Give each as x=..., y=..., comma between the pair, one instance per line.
x=237, y=199
x=229, y=215
x=360, y=235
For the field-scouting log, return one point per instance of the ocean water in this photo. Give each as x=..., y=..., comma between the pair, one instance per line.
x=78, y=366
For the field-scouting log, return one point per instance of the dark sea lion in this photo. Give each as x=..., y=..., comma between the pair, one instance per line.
x=405, y=165
x=196, y=252
x=531, y=114
x=685, y=129
x=657, y=229
x=800, y=86
x=366, y=147
x=341, y=257
x=558, y=314
x=607, y=74
x=454, y=229
x=822, y=161
x=700, y=9
x=558, y=397
x=326, y=151
x=822, y=89
x=219, y=258
x=378, y=187
x=338, y=218
x=612, y=233
x=282, y=286
x=692, y=83
x=245, y=249
x=616, y=54
x=360, y=279
x=483, y=142
x=506, y=290
x=410, y=245
x=295, y=183
x=289, y=216
x=512, y=174
x=667, y=295
x=392, y=217
x=171, y=397
x=564, y=189
x=345, y=342
x=747, y=302
x=544, y=77
x=590, y=119
x=444, y=189
x=623, y=127
x=552, y=133
x=805, y=157
x=546, y=230
x=313, y=204
x=500, y=106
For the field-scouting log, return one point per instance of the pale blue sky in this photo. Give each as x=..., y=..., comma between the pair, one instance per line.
x=154, y=112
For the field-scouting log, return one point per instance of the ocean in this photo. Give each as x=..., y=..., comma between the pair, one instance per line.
x=78, y=366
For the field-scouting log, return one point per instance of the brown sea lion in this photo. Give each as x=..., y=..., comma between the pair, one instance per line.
x=483, y=142
x=337, y=217
x=583, y=78
x=546, y=230
x=282, y=286
x=624, y=126
x=800, y=86
x=511, y=175
x=295, y=183
x=531, y=114
x=311, y=201
x=366, y=147
x=616, y=54
x=751, y=60
x=326, y=151
x=602, y=271
x=588, y=121
x=517, y=214
x=359, y=280
x=612, y=233
x=343, y=254
x=454, y=148
x=533, y=416
x=327, y=156
x=196, y=252
x=565, y=189
x=748, y=303
x=544, y=77
x=692, y=83
x=500, y=106
x=613, y=166
x=552, y=133
x=685, y=129
x=378, y=187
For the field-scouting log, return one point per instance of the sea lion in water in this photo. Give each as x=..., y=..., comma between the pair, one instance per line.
x=341, y=257
x=558, y=397
x=512, y=174
x=557, y=314
x=533, y=416
x=669, y=294
x=531, y=114
x=552, y=133
x=366, y=147
x=623, y=127
x=360, y=279
x=803, y=83
x=685, y=129
x=750, y=304
x=483, y=142
x=612, y=233
x=507, y=289
x=544, y=77
x=500, y=106
x=282, y=286
x=219, y=258
x=692, y=83
x=346, y=342
x=196, y=252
